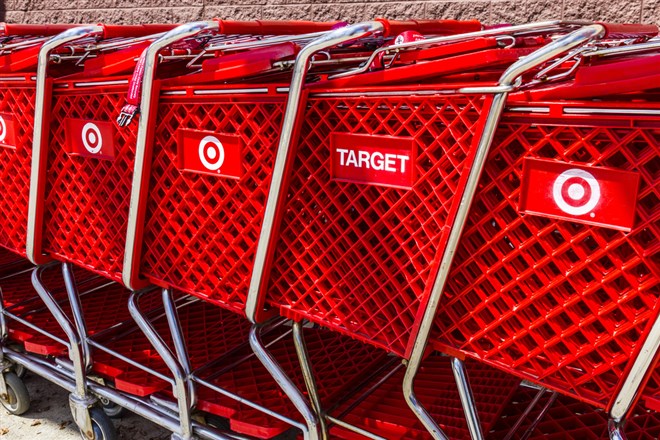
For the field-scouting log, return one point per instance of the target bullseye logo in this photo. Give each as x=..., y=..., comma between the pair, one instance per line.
x=591, y=195
x=91, y=138
x=576, y=192
x=211, y=153
x=206, y=152
x=3, y=129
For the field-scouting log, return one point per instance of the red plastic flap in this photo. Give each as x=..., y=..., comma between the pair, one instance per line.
x=429, y=69
x=114, y=63
x=20, y=60
x=616, y=30
x=448, y=50
x=246, y=60
x=611, y=78
x=237, y=66
x=434, y=27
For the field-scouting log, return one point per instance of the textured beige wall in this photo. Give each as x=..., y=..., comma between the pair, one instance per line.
x=489, y=11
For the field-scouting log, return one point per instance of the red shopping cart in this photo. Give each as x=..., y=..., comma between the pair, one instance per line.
x=361, y=231
x=77, y=147
x=200, y=187
x=556, y=277
x=19, y=49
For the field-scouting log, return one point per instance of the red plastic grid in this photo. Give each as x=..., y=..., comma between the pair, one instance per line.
x=87, y=199
x=16, y=98
x=385, y=412
x=339, y=363
x=209, y=332
x=360, y=258
x=568, y=418
x=557, y=302
x=11, y=263
x=22, y=300
x=201, y=230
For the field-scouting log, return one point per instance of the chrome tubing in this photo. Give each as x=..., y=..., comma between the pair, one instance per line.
x=614, y=430
x=308, y=375
x=75, y=345
x=142, y=408
x=180, y=388
x=39, y=141
x=140, y=176
x=313, y=431
x=76, y=308
x=80, y=400
x=328, y=40
x=180, y=349
x=508, y=79
x=467, y=399
x=624, y=400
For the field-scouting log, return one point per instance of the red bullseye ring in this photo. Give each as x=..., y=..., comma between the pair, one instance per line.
x=576, y=192
x=211, y=153
x=91, y=138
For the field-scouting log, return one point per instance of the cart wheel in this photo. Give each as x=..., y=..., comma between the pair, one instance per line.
x=113, y=410
x=217, y=422
x=103, y=427
x=18, y=401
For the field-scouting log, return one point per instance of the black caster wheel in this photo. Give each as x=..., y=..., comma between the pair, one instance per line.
x=18, y=399
x=103, y=427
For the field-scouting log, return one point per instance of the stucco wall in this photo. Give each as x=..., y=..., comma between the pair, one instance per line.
x=489, y=11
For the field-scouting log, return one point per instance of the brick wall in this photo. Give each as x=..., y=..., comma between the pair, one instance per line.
x=489, y=11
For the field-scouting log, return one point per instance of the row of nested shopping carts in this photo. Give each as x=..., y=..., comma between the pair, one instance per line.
x=242, y=230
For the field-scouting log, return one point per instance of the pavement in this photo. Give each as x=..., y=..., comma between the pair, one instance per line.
x=49, y=418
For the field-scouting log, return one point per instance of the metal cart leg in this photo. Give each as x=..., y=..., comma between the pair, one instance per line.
x=81, y=401
x=614, y=430
x=314, y=430
x=467, y=399
x=182, y=385
x=308, y=375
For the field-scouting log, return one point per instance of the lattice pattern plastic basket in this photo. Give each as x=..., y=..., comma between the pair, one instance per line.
x=86, y=198
x=201, y=227
x=17, y=103
x=564, y=303
x=361, y=257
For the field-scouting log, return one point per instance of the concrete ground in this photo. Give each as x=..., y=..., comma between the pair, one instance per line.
x=49, y=418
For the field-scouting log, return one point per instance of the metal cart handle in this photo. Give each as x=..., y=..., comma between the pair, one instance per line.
x=142, y=30
x=431, y=27
x=617, y=30
x=7, y=29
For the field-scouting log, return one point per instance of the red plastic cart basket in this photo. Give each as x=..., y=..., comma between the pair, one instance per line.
x=20, y=46
x=204, y=181
x=82, y=161
x=557, y=275
x=362, y=227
